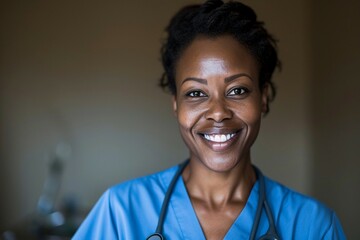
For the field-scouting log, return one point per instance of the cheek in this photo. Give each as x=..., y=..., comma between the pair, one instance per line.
x=250, y=116
x=186, y=121
x=254, y=120
x=183, y=119
x=187, y=116
x=250, y=112
x=253, y=115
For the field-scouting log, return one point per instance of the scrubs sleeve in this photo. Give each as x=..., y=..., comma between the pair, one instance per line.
x=335, y=231
x=100, y=223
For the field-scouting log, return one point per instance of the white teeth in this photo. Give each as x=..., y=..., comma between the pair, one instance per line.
x=220, y=138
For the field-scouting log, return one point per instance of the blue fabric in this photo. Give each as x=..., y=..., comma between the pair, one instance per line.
x=131, y=211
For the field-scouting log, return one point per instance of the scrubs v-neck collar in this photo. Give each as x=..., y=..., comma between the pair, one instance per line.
x=189, y=224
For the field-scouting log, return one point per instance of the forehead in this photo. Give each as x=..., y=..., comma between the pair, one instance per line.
x=214, y=55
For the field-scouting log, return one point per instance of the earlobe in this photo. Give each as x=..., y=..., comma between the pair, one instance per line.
x=174, y=102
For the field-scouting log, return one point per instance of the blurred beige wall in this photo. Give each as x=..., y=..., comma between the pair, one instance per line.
x=86, y=74
x=335, y=110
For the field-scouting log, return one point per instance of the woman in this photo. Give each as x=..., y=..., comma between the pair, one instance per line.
x=218, y=62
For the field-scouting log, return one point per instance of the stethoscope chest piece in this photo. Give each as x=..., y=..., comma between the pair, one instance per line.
x=269, y=237
x=155, y=236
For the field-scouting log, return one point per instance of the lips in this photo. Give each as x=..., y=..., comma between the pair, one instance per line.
x=219, y=138
x=220, y=141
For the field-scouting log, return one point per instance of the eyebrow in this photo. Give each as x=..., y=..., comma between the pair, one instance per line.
x=227, y=79
x=233, y=77
x=200, y=80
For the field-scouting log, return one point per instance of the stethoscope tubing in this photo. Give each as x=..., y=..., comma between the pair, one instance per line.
x=271, y=233
x=166, y=201
x=158, y=232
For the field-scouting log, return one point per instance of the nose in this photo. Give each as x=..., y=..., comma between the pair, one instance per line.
x=218, y=111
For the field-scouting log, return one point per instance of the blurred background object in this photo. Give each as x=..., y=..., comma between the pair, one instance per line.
x=50, y=220
x=86, y=74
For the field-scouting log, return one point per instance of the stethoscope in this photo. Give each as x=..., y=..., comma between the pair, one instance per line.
x=271, y=233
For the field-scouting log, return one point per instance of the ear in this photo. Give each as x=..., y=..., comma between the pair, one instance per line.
x=174, y=102
x=264, y=98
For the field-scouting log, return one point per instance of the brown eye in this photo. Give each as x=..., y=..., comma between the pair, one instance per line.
x=195, y=94
x=238, y=91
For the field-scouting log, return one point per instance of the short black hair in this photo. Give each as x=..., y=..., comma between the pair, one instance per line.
x=212, y=19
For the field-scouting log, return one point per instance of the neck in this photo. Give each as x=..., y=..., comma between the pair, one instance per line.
x=219, y=188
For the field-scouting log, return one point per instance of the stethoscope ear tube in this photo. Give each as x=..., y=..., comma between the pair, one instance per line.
x=260, y=203
x=271, y=233
x=158, y=233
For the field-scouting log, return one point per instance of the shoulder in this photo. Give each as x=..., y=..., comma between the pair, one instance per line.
x=114, y=214
x=149, y=184
x=301, y=215
x=290, y=199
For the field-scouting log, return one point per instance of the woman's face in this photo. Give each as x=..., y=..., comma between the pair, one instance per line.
x=218, y=102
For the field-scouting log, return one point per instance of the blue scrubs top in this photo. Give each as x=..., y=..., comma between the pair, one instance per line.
x=131, y=211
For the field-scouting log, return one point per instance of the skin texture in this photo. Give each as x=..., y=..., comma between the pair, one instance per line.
x=218, y=94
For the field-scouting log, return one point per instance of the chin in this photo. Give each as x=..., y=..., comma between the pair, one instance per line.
x=221, y=164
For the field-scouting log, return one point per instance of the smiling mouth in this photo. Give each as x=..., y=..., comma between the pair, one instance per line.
x=219, y=138
x=219, y=142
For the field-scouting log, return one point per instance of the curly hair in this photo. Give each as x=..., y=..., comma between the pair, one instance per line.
x=212, y=19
